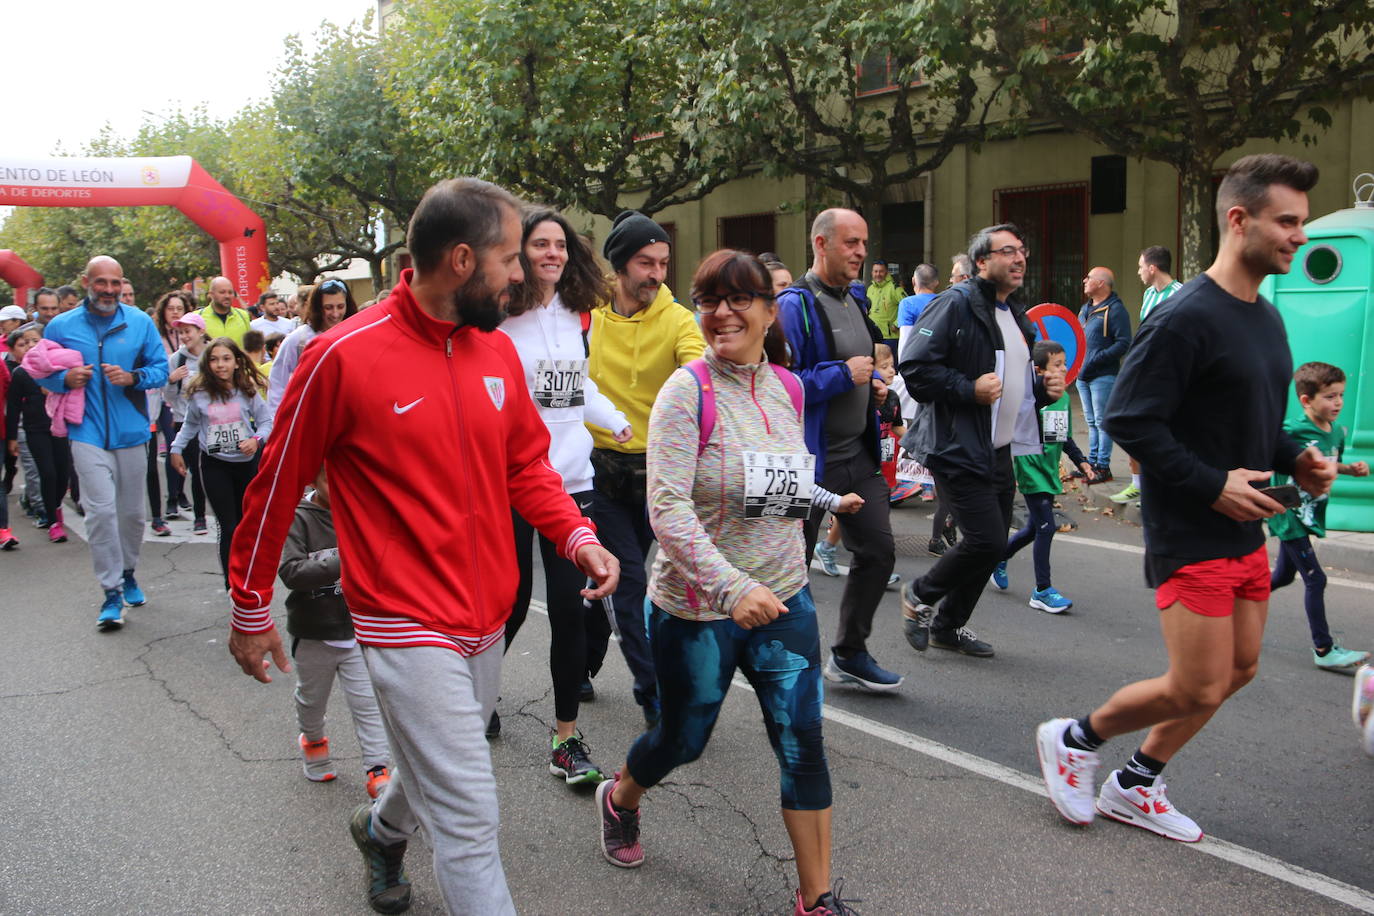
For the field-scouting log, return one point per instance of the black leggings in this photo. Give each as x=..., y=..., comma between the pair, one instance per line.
x=225, y=484
x=53, y=456
x=191, y=455
x=574, y=626
x=175, y=482
x=154, y=482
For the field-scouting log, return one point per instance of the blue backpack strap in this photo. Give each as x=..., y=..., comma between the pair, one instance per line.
x=706, y=401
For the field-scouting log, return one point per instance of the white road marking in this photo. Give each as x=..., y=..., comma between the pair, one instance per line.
x=1252, y=859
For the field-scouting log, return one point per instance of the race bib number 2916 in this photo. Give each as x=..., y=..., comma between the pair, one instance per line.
x=778, y=485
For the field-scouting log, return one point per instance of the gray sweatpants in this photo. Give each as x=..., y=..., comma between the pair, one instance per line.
x=435, y=704
x=33, y=484
x=112, y=487
x=316, y=664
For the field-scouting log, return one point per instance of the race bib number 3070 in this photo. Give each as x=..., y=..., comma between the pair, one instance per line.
x=777, y=485
x=558, y=382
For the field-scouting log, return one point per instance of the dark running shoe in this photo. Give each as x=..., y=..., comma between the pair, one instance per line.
x=1102, y=475
x=586, y=693
x=936, y=547
x=619, y=829
x=861, y=669
x=829, y=904
x=572, y=760
x=916, y=618
x=388, y=888
x=494, y=725
x=961, y=640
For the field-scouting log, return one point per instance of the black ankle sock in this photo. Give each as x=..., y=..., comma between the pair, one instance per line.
x=1140, y=770
x=1321, y=652
x=1080, y=735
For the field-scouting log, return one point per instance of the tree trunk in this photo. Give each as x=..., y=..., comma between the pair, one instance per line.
x=871, y=206
x=1196, y=219
x=375, y=263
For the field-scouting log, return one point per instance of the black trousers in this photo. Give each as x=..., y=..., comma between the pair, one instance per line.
x=573, y=625
x=981, y=506
x=867, y=535
x=225, y=484
x=53, y=457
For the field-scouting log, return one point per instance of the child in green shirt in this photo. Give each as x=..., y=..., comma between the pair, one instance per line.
x=1321, y=392
x=1037, y=477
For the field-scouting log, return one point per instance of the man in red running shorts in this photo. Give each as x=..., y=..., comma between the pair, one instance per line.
x=1199, y=402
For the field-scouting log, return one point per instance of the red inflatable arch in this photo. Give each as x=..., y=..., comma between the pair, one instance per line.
x=173, y=181
x=18, y=274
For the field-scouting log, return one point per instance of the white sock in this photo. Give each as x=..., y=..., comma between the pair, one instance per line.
x=1135, y=481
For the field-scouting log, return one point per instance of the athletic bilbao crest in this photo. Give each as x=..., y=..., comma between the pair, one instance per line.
x=496, y=389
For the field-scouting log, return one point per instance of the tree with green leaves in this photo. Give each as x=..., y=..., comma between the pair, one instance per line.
x=1184, y=81
x=573, y=104
x=859, y=97
x=349, y=160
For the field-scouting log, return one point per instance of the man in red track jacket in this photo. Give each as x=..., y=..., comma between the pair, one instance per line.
x=421, y=417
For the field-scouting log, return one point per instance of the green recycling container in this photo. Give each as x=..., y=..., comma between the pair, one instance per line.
x=1327, y=304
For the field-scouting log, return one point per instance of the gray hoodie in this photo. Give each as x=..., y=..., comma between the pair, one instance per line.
x=309, y=567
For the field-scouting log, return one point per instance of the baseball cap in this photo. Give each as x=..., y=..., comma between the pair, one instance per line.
x=13, y=313
x=193, y=319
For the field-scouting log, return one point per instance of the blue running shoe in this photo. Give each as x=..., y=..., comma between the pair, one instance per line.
x=133, y=595
x=861, y=669
x=112, y=611
x=825, y=553
x=1049, y=600
x=999, y=576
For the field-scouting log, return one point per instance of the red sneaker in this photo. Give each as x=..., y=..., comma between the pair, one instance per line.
x=377, y=778
x=315, y=759
x=7, y=539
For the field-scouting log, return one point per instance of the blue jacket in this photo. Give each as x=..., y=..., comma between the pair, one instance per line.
x=1107, y=330
x=823, y=377
x=115, y=417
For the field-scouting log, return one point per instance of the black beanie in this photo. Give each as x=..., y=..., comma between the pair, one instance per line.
x=630, y=232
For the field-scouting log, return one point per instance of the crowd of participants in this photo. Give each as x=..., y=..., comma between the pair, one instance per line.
x=520, y=394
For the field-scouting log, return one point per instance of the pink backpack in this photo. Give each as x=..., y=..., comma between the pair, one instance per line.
x=706, y=396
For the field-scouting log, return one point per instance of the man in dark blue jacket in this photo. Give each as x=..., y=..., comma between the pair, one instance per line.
x=1107, y=331
x=825, y=318
x=968, y=357
x=123, y=359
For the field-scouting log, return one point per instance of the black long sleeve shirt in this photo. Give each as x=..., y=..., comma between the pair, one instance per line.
x=1202, y=390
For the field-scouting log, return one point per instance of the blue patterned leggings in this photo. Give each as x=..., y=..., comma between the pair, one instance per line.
x=695, y=661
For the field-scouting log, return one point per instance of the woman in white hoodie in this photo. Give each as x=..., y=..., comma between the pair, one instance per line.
x=549, y=320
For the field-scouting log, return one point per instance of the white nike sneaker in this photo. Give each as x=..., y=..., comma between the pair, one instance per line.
x=1148, y=807
x=1068, y=772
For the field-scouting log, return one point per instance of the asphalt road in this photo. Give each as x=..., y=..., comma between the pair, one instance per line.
x=145, y=774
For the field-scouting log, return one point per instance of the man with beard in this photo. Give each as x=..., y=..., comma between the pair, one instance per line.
x=969, y=357
x=1200, y=403
x=273, y=320
x=45, y=306
x=825, y=317
x=222, y=317
x=418, y=386
x=122, y=358
x=638, y=339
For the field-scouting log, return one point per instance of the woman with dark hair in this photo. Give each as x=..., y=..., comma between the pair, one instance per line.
x=329, y=303
x=548, y=319
x=730, y=480
x=166, y=313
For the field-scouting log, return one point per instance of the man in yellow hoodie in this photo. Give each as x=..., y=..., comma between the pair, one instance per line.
x=637, y=340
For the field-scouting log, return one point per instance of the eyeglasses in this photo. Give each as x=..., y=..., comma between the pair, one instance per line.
x=333, y=286
x=738, y=302
x=1008, y=251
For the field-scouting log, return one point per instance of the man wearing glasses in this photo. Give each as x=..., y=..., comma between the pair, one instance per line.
x=969, y=357
x=222, y=319
x=825, y=318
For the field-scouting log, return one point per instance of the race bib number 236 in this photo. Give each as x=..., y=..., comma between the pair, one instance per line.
x=778, y=485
